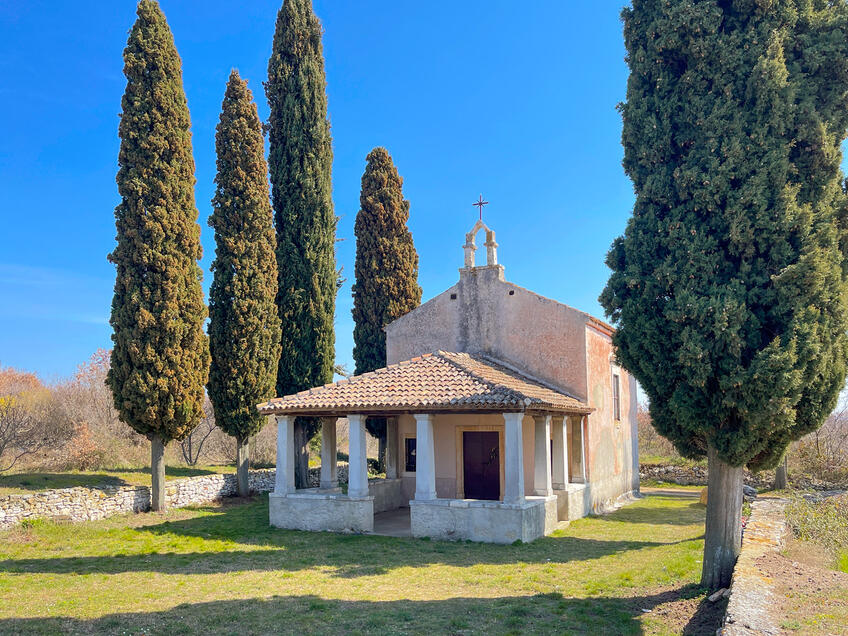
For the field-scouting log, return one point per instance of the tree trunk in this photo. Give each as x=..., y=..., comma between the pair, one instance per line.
x=243, y=465
x=781, y=475
x=723, y=536
x=381, y=452
x=157, y=473
x=301, y=455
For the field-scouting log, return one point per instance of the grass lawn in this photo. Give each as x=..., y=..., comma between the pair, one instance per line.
x=222, y=569
x=27, y=482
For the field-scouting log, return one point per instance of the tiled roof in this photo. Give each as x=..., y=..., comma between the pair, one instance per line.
x=442, y=381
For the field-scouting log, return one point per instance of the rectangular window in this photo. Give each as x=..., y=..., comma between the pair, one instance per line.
x=409, y=454
x=616, y=398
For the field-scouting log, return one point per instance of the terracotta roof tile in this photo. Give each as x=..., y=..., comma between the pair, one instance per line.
x=441, y=381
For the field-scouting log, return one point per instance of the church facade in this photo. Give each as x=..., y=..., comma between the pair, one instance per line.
x=506, y=413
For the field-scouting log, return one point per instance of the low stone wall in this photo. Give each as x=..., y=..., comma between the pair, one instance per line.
x=90, y=504
x=317, y=511
x=694, y=475
x=751, y=592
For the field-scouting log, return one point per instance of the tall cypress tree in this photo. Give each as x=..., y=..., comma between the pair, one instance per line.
x=300, y=163
x=160, y=358
x=729, y=284
x=386, y=268
x=244, y=327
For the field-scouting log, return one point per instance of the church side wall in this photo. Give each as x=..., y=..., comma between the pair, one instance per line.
x=612, y=446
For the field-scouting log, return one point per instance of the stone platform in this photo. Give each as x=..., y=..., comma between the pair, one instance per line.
x=486, y=521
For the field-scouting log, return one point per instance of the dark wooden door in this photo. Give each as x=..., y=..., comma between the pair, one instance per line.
x=481, y=464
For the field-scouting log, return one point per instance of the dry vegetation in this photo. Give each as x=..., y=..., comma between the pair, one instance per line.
x=819, y=459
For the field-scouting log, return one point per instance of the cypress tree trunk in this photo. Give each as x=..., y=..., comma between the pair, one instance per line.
x=243, y=465
x=781, y=475
x=157, y=473
x=381, y=452
x=302, y=435
x=723, y=536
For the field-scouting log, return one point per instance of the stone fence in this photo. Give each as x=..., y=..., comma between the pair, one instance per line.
x=751, y=592
x=694, y=475
x=89, y=504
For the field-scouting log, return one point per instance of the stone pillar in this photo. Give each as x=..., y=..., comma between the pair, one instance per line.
x=469, y=249
x=513, y=458
x=583, y=423
x=491, y=248
x=425, y=458
x=357, y=480
x=391, y=448
x=578, y=450
x=559, y=471
x=284, y=482
x=542, y=456
x=329, y=478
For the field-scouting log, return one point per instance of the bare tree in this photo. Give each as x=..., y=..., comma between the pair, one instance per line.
x=30, y=421
x=192, y=446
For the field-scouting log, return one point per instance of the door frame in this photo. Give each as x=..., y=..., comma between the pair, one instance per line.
x=460, y=464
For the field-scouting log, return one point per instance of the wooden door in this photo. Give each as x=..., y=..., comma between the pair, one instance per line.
x=481, y=464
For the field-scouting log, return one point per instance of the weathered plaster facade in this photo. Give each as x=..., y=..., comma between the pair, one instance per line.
x=565, y=348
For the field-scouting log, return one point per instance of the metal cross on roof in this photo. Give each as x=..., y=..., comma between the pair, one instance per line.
x=480, y=203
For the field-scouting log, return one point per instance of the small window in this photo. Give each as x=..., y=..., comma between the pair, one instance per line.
x=616, y=398
x=453, y=296
x=409, y=454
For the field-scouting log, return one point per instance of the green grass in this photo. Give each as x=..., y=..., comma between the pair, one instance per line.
x=842, y=564
x=222, y=568
x=27, y=482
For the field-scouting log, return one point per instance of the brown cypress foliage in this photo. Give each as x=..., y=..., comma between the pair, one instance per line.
x=160, y=357
x=386, y=268
x=244, y=327
x=300, y=163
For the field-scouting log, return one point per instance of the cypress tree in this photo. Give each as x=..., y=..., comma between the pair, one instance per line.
x=160, y=358
x=300, y=163
x=386, y=268
x=244, y=327
x=729, y=284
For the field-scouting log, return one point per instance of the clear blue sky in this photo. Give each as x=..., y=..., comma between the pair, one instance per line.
x=514, y=100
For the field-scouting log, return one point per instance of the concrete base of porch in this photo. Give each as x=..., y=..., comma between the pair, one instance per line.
x=573, y=502
x=485, y=521
x=312, y=510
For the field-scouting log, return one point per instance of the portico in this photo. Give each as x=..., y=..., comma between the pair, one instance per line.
x=457, y=424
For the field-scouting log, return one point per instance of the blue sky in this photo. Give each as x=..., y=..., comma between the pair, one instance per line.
x=513, y=100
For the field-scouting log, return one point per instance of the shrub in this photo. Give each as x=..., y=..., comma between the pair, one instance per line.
x=823, y=521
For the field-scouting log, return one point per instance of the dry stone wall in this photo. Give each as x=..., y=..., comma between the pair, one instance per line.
x=90, y=504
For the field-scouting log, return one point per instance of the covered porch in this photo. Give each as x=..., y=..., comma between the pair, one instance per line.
x=474, y=449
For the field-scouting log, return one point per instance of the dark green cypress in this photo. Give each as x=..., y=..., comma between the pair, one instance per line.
x=160, y=358
x=244, y=327
x=300, y=162
x=728, y=286
x=386, y=267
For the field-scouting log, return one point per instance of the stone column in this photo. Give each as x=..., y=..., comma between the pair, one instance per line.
x=559, y=471
x=425, y=458
x=542, y=456
x=391, y=448
x=513, y=458
x=583, y=423
x=329, y=478
x=284, y=482
x=357, y=479
x=578, y=451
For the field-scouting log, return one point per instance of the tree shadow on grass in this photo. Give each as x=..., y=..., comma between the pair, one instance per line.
x=310, y=614
x=216, y=542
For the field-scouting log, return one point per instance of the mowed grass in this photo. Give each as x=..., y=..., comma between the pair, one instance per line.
x=22, y=483
x=222, y=569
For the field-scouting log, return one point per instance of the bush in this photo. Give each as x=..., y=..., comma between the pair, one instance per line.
x=824, y=521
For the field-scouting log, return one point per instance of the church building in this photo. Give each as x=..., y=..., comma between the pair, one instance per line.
x=506, y=416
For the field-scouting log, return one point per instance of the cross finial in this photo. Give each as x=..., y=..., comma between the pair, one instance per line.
x=480, y=203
